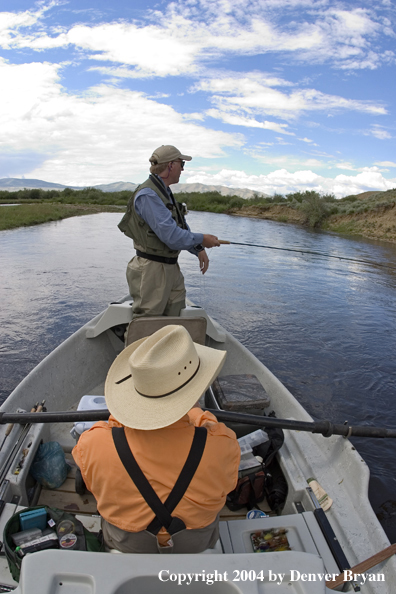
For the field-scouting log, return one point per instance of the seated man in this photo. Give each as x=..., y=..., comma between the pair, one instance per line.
x=190, y=460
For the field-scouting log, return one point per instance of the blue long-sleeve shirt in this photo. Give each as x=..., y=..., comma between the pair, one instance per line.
x=153, y=211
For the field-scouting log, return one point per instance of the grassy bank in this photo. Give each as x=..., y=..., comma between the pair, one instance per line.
x=23, y=215
x=66, y=196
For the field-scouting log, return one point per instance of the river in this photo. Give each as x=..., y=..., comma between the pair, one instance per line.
x=325, y=327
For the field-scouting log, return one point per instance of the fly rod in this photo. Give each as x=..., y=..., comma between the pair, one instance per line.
x=326, y=428
x=36, y=409
x=300, y=251
x=10, y=426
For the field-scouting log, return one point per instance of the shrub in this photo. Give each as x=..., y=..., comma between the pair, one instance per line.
x=314, y=208
x=236, y=202
x=301, y=196
x=351, y=198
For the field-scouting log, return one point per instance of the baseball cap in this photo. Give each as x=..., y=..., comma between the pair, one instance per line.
x=167, y=153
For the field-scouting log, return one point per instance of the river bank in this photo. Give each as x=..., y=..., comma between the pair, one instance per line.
x=375, y=224
x=25, y=215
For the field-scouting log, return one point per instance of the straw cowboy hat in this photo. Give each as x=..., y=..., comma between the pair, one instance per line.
x=156, y=380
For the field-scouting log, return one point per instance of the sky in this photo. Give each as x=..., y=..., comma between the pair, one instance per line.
x=277, y=96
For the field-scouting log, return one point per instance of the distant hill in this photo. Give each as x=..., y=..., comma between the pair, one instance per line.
x=117, y=187
x=13, y=184
x=224, y=190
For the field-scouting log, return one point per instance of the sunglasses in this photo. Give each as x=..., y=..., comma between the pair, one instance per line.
x=182, y=163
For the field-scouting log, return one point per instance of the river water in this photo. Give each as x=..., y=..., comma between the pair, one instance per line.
x=325, y=327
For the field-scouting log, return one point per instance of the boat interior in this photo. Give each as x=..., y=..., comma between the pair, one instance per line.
x=71, y=572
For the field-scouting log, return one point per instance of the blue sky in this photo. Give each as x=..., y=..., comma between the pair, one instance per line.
x=272, y=95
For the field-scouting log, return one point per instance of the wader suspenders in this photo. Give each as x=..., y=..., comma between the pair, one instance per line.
x=162, y=511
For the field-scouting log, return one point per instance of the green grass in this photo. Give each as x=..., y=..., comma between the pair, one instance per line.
x=25, y=215
x=347, y=227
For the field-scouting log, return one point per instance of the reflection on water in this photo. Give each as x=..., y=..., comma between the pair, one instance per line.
x=325, y=327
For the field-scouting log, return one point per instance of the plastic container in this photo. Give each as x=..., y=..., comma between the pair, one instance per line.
x=253, y=514
x=88, y=403
x=36, y=518
x=20, y=538
x=250, y=441
x=46, y=541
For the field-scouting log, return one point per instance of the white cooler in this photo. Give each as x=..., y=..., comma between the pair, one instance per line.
x=87, y=403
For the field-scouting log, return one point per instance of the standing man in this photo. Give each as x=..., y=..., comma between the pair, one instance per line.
x=155, y=222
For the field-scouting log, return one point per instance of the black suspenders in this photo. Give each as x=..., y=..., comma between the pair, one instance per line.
x=162, y=511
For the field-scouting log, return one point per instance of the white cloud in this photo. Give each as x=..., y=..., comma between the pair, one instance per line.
x=285, y=161
x=250, y=93
x=11, y=22
x=379, y=133
x=345, y=165
x=236, y=120
x=385, y=163
x=283, y=182
x=103, y=135
x=200, y=31
x=362, y=182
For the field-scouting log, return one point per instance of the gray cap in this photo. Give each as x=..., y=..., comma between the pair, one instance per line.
x=167, y=153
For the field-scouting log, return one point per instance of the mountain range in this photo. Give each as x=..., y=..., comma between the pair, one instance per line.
x=13, y=184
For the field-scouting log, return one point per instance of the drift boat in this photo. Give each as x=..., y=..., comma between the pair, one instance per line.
x=323, y=544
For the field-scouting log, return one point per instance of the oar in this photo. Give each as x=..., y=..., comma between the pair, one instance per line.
x=300, y=251
x=362, y=567
x=326, y=428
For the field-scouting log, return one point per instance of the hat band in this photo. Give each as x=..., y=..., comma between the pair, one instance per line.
x=173, y=391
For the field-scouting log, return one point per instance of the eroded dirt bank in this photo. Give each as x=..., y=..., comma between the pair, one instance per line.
x=379, y=224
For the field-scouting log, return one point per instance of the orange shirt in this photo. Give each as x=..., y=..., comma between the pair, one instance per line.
x=161, y=454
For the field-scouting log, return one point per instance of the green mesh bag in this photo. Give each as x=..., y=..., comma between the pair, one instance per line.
x=88, y=541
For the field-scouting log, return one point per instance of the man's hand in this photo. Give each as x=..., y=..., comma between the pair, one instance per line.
x=210, y=241
x=203, y=261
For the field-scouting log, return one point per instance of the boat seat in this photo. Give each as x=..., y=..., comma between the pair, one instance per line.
x=145, y=326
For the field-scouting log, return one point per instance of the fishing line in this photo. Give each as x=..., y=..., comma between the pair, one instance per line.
x=300, y=251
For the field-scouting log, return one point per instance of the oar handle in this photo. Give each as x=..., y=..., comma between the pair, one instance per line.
x=363, y=566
